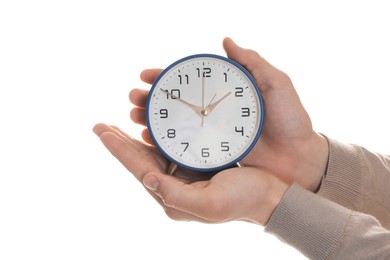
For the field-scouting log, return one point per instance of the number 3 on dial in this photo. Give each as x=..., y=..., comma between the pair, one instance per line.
x=205, y=112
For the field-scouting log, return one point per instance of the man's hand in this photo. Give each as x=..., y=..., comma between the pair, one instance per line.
x=288, y=146
x=249, y=194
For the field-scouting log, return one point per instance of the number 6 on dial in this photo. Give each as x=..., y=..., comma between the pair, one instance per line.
x=205, y=112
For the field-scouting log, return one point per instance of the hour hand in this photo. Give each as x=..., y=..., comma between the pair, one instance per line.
x=197, y=109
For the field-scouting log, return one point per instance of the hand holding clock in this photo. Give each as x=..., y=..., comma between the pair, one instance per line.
x=287, y=151
x=288, y=146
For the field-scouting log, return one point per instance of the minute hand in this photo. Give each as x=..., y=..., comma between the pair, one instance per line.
x=213, y=105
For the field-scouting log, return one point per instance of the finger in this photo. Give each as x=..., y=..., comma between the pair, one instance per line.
x=265, y=74
x=102, y=128
x=149, y=75
x=138, y=116
x=136, y=157
x=138, y=97
x=125, y=136
x=146, y=137
x=193, y=199
x=131, y=158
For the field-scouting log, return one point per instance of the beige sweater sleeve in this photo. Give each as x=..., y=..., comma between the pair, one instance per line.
x=348, y=217
x=359, y=180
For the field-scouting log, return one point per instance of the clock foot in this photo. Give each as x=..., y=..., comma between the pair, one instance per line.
x=172, y=169
x=239, y=164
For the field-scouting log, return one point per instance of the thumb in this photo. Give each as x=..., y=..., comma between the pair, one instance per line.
x=265, y=74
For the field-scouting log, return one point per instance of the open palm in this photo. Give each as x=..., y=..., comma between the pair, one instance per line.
x=235, y=194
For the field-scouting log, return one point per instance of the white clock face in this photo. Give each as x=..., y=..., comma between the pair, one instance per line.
x=204, y=112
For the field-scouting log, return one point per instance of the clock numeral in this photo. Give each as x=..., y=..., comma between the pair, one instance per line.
x=186, y=146
x=163, y=113
x=239, y=130
x=205, y=152
x=224, y=146
x=245, y=112
x=186, y=79
x=175, y=93
x=171, y=133
x=205, y=72
x=225, y=76
x=239, y=91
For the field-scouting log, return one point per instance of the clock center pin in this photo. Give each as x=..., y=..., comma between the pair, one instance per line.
x=204, y=112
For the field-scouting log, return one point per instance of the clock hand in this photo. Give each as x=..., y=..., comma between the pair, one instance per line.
x=202, y=112
x=203, y=92
x=212, y=99
x=211, y=107
x=197, y=109
x=207, y=110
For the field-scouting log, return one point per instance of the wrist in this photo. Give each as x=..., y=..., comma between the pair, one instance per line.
x=314, y=162
x=270, y=199
x=273, y=201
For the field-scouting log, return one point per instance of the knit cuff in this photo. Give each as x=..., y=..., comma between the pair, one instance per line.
x=343, y=177
x=308, y=222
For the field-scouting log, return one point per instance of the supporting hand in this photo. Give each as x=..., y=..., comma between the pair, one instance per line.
x=248, y=194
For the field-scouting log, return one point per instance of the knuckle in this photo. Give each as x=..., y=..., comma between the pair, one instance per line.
x=280, y=80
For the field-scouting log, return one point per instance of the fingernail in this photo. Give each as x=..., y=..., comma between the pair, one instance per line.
x=151, y=182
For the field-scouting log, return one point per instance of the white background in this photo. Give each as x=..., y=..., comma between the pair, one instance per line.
x=66, y=65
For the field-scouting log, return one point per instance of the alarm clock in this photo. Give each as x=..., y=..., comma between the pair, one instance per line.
x=205, y=113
